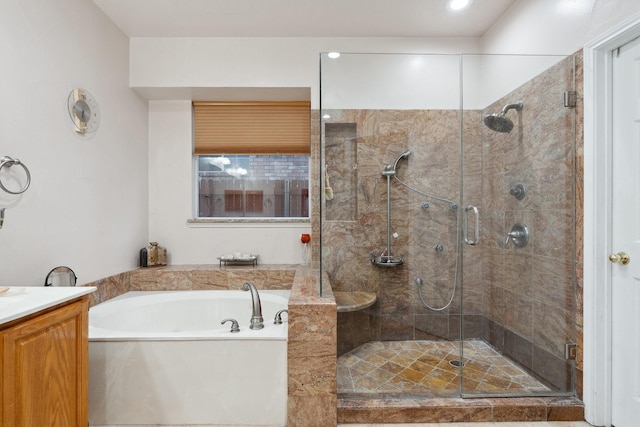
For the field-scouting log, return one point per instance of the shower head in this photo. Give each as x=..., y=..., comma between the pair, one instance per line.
x=499, y=122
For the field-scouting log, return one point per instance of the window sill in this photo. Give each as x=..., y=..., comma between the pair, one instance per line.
x=249, y=222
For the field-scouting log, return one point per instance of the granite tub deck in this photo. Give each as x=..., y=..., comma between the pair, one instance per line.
x=312, y=352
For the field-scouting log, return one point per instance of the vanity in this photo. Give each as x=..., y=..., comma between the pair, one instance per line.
x=44, y=356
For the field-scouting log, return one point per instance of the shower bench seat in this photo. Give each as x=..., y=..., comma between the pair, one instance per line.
x=353, y=301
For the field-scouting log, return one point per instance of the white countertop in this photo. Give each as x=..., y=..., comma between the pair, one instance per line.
x=20, y=301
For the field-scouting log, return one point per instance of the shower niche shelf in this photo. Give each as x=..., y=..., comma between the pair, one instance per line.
x=387, y=261
x=341, y=172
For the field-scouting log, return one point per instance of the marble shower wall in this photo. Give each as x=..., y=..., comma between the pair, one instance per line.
x=521, y=300
x=358, y=146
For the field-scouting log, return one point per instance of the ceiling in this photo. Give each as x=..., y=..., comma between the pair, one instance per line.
x=301, y=18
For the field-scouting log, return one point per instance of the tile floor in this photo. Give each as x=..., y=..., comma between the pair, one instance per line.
x=425, y=368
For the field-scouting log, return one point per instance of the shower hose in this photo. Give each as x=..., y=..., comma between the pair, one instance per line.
x=419, y=281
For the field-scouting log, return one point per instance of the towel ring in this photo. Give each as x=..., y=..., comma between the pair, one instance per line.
x=9, y=162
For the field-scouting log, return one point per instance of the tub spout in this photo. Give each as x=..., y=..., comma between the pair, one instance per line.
x=257, y=322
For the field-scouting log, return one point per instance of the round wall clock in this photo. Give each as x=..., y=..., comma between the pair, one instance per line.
x=84, y=111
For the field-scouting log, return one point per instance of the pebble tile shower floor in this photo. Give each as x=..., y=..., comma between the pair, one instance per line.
x=425, y=368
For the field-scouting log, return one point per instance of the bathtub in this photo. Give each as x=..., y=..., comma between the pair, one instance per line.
x=163, y=358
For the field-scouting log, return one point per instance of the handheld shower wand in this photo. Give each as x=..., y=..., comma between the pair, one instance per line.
x=385, y=259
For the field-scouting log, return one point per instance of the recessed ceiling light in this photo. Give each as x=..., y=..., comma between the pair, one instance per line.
x=457, y=5
x=334, y=55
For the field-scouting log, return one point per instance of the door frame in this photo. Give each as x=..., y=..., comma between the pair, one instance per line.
x=597, y=221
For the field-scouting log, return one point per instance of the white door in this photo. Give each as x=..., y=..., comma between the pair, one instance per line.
x=625, y=237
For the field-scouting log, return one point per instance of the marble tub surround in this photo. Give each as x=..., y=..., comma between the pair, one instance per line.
x=193, y=277
x=109, y=287
x=312, y=357
x=203, y=277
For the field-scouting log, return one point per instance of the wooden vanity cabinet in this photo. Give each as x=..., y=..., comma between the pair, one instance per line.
x=44, y=359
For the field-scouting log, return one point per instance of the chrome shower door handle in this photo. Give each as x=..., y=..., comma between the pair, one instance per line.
x=476, y=230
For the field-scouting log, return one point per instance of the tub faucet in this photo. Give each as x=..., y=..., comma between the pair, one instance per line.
x=278, y=319
x=257, y=322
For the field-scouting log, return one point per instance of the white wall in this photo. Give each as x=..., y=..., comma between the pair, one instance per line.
x=541, y=27
x=560, y=27
x=163, y=64
x=87, y=204
x=545, y=27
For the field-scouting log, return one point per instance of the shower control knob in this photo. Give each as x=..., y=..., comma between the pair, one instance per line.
x=519, y=191
x=519, y=235
x=620, y=258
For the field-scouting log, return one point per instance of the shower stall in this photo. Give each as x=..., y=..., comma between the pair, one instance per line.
x=452, y=200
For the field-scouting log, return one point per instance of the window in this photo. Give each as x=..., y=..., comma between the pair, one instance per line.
x=253, y=186
x=252, y=159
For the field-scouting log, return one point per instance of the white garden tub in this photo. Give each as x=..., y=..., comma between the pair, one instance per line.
x=163, y=358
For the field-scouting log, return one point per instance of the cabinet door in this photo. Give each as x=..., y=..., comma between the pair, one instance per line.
x=44, y=369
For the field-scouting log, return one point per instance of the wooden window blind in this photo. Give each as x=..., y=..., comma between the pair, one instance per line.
x=252, y=128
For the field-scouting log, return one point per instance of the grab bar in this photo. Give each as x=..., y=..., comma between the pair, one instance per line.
x=476, y=233
x=9, y=162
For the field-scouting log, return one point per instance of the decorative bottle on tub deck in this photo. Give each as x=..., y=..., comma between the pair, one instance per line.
x=153, y=255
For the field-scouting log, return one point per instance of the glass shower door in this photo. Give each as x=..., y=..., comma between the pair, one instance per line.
x=519, y=328
x=390, y=161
